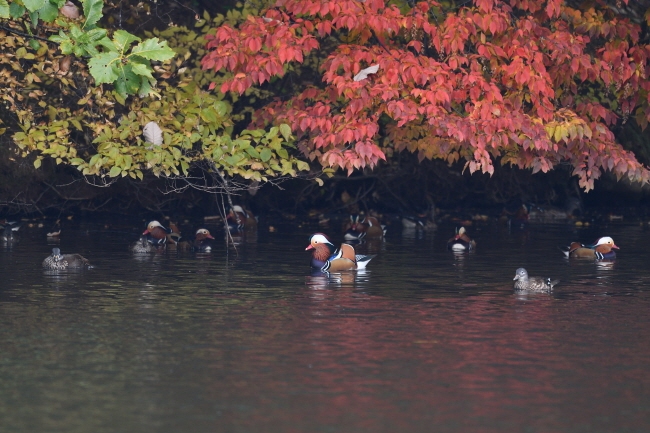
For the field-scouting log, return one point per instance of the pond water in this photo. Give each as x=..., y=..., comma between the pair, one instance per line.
x=250, y=341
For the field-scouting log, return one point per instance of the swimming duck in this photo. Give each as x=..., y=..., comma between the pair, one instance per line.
x=461, y=241
x=202, y=241
x=602, y=249
x=147, y=244
x=533, y=284
x=328, y=259
x=352, y=229
x=372, y=228
x=174, y=236
x=240, y=219
x=57, y=261
x=158, y=233
x=8, y=234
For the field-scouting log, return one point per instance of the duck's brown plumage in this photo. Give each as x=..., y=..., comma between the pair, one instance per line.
x=603, y=249
x=372, y=227
x=157, y=231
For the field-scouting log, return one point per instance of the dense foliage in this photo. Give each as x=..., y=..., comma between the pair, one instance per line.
x=528, y=83
x=83, y=96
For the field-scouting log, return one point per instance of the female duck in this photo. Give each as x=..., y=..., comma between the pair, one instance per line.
x=533, y=284
x=57, y=261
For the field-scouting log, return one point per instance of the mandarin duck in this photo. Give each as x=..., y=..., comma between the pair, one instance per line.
x=329, y=259
x=202, y=241
x=174, y=236
x=602, y=249
x=373, y=230
x=157, y=233
x=532, y=284
x=352, y=229
x=147, y=244
x=461, y=241
x=4, y=223
x=8, y=234
x=57, y=261
x=240, y=219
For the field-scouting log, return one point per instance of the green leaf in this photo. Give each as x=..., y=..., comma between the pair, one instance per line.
x=285, y=130
x=34, y=44
x=37, y=163
x=253, y=152
x=123, y=40
x=151, y=49
x=115, y=171
x=130, y=78
x=95, y=36
x=34, y=5
x=145, y=87
x=103, y=67
x=142, y=69
x=4, y=9
x=107, y=43
x=266, y=154
x=92, y=12
x=16, y=10
x=48, y=13
x=282, y=153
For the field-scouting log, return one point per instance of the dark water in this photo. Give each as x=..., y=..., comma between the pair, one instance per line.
x=423, y=341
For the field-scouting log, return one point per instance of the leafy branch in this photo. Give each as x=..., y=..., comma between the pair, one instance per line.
x=113, y=60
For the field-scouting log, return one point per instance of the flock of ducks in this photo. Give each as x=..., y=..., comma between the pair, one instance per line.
x=157, y=238
x=325, y=256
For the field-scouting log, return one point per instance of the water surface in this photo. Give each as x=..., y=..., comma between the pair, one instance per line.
x=251, y=341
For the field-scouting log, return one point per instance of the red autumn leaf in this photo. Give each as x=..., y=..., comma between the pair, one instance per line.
x=517, y=77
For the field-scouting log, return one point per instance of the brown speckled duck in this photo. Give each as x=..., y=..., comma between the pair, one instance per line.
x=146, y=244
x=328, y=259
x=532, y=284
x=57, y=261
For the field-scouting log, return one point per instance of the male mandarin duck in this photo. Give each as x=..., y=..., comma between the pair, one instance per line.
x=240, y=219
x=461, y=241
x=328, y=259
x=370, y=225
x=602, y=249
x=174, y=236
x=147, y=244
x=202, y=241
x=366, y=228
x=158, y=233
x=352, y=229
x=57, y=261
x=533, y=284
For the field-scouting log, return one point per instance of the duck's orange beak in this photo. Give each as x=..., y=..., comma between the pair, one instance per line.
x=309, y=247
